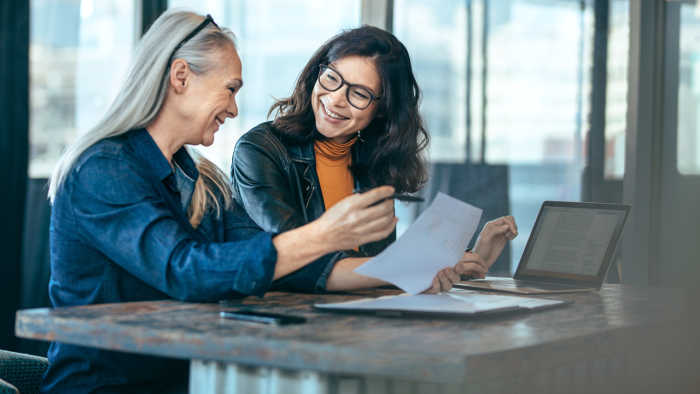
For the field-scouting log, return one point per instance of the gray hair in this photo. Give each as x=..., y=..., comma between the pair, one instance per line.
x=142, y=94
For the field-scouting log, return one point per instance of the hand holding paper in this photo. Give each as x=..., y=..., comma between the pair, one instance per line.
x=435, y=241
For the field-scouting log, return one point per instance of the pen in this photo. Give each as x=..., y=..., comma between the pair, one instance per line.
x=397, y=196
x=406, y=197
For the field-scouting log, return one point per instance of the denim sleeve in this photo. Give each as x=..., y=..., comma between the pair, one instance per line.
x=238, y=225
x=310, y=278
x=119, y=212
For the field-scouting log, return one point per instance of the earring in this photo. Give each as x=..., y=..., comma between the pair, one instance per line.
x=359, y=136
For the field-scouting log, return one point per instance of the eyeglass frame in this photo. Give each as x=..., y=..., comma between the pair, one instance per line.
x=193, y=33
x=372, y=97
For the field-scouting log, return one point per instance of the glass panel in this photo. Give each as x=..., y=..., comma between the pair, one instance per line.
x=528, y=83
x=689, y=92
x=440, y=74
x=535, y=107
x=539, y=66
x=273, y=53
x=616, y=90
x=79, y=52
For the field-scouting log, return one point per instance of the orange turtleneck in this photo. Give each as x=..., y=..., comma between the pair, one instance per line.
x=333, y=168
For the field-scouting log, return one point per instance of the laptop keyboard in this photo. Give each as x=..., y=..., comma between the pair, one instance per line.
x=514, y=284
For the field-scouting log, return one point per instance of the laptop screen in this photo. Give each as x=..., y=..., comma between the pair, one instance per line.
x=573, y=241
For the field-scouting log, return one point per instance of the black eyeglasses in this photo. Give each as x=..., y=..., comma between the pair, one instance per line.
x=358, y=96
x=194, y=32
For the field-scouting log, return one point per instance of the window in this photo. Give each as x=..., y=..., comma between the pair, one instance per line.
x=441, y=74
x=509, y=87
x=538, y=69
x=616, y=89
x=275, y=39
x=689, y=92
x=79, y=52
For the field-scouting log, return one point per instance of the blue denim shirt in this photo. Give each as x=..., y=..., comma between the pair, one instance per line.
x=120, y=232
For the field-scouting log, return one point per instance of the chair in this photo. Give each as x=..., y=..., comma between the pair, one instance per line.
x=21, y=372
x=6, y=388
x=483, y=185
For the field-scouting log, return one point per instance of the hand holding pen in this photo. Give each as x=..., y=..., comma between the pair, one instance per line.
x=357, y=219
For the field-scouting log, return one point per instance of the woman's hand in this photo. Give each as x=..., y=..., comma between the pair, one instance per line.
x=493, y=238
x=470, y=264
x=358, y=219
x=353, y=221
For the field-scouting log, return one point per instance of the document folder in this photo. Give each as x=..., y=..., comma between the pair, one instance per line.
x=456, y=302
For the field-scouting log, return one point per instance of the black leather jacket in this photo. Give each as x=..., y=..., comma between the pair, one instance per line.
x=277, y=184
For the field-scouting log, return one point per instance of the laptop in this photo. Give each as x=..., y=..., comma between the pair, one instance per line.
x=570, y=249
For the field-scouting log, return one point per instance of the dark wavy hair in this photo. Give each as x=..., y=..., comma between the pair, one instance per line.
x=390, y=152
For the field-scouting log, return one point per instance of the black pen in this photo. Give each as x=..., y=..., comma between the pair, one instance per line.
x=397, y=196
x=406, y=197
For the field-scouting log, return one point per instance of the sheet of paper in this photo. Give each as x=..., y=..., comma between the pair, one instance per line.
x=437, y=239
x=461, y=302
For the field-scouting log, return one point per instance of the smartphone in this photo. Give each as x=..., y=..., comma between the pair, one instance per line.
x=275, y=319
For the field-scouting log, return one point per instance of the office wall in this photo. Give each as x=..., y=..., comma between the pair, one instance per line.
x=14, y=121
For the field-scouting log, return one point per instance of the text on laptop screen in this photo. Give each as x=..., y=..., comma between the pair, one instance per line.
x=573, y=240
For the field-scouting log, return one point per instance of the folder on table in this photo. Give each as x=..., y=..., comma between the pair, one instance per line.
x=456, y=302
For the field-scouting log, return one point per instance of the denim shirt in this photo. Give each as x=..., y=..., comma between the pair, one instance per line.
x=119, y=232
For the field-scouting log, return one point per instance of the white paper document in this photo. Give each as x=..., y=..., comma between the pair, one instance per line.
x=436, y=240
x=454, y=302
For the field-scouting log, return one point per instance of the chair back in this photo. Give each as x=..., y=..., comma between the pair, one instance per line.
x=20, y=371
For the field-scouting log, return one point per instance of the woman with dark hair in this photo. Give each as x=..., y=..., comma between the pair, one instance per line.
x=352, y=123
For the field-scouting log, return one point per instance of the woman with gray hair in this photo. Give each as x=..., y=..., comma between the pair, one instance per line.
x=136, y=218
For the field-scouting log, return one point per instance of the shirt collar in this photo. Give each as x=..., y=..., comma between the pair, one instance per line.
x=156, y=164
x=186, y=163
x=185, y=185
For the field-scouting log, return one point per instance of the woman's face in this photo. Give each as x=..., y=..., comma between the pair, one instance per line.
x=335, y=118
x=212, y=97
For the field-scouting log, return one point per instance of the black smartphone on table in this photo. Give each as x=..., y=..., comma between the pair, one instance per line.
x=251, y=316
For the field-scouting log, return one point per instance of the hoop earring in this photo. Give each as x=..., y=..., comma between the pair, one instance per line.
x=359, y=136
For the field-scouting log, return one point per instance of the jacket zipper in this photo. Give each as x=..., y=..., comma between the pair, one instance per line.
x=311, y=193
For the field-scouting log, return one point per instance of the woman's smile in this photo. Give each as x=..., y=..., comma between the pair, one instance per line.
x=331, y=116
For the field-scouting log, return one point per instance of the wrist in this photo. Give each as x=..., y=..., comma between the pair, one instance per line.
x=316, y=237
x=296, y=248
x=479, y=251
x=344, y=277
x=477, y=248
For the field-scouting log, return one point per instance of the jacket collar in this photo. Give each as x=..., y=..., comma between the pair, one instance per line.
x=153, y=160
x=302, y=152
x=305, y=152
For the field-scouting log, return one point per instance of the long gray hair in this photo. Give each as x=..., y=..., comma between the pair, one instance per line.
x=141, y=97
